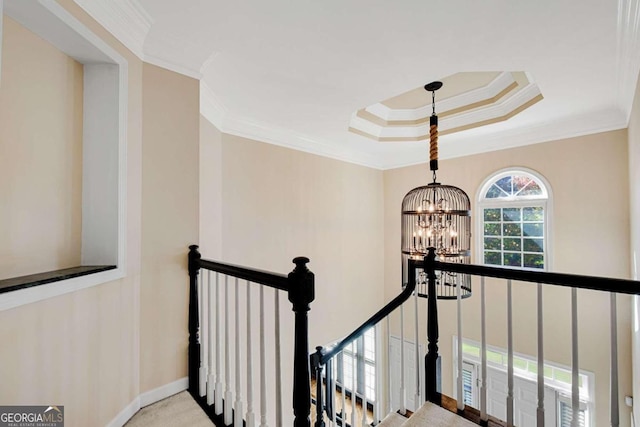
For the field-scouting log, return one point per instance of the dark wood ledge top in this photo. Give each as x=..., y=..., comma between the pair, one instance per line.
x=16, y=283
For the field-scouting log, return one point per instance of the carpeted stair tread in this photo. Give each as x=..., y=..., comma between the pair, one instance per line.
x=393, y=420
x=434, y=416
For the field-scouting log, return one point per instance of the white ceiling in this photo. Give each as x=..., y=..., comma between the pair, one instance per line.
x=293, y=72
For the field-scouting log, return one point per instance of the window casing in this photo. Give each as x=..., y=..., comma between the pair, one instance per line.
x=513, y=220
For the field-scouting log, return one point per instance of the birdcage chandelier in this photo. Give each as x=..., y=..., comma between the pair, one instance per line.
x=436, y=216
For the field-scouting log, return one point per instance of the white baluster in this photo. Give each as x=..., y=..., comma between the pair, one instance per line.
x=251, y=417
x=403, y=394
x=388, y=367
x=263, y=368
x=334, y=377
x=228, y=395
x=416, y=398
x=343, y=415
x=278, y=363
x=210, y=340
x=377, y=406
x=540, y=411
x=354, y=397
x=614, y=408
x=219, y=379
x=483, y=326
x=238, y=405
x=202, y=389
x=459, y=307
x=364, y=388
x=509, y=356
x=575, y=385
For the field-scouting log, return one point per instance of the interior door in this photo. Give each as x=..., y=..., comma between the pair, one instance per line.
x=525, y=394
x=409, y=371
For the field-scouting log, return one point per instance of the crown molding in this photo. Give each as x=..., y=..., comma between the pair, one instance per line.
x=127, y=20
x=173, y=66
x=628, y=53
x=211, y=107
x=218, y=114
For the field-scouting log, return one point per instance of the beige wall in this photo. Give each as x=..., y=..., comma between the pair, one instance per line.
x=79, y=349
x=170, y=212
x=590, y=219
x=634, y=182
x=98, y=349
x=40, y=165
x=280, y=203
x=210, y=190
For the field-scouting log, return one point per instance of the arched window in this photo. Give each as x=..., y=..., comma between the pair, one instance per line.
x=513, y=212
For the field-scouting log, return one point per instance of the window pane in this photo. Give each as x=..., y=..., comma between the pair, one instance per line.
x=492, y=229
x=520, y=182
x=519, y=363
x=513, y=229
x=533, y=261
x=492, y=243
x=511, y=244
x=533, y=214
x=533, y=189
x=533, y=229
x=505, y=184
x=492, y=258
x=513, y=260
x=511, y=214
x=495, y=192
x=492, y=214
x=533, y=245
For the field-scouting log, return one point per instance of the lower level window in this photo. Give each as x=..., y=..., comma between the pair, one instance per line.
x=359, y=359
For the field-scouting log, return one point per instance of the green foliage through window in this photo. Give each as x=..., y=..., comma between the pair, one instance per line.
x=513, y=230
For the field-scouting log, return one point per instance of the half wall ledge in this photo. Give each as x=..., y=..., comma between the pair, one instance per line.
x=38, y=279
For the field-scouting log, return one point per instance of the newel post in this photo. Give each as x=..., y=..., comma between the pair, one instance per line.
x=194, y=326
x=301, y=293
x=432, y=362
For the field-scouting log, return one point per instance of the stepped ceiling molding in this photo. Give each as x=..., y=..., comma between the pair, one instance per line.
x=311, y=75
x=466, y=101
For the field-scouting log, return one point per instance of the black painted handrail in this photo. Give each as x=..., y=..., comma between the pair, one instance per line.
x=606, y=284
x=330, y=352
x=267, y=278
x=300, y=287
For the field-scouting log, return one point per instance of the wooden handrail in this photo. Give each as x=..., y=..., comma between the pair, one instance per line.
x=267, y=278
x=605, y=284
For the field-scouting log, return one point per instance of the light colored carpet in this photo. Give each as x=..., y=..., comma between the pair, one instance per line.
x=434, y=416
x=392, y=420
x=176, y=411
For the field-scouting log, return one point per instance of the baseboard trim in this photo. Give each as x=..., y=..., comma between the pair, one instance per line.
x=126, y=414
x=148, y=398
x=162, y=392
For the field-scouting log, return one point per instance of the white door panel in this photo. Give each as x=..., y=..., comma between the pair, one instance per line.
x=410, y=373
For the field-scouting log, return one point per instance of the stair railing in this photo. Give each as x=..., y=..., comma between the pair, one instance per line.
x=543, y=279
x=213, y=353
x=326, y=359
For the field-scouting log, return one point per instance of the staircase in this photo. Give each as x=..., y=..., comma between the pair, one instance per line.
x=238, y=355
x=428, y=415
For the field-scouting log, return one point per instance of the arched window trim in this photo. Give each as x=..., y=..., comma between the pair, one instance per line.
x=545, y=201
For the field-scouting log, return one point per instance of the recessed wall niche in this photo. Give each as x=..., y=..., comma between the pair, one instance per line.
x=104, y=119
